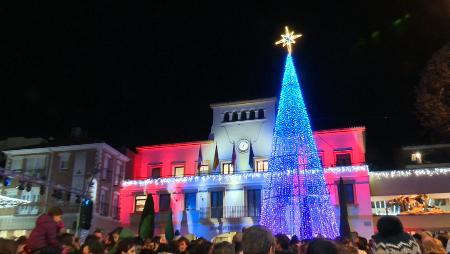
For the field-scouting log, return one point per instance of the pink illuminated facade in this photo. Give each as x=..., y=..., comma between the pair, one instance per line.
x=208, y=200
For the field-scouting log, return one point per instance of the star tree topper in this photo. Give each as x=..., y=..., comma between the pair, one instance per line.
x=288, y=38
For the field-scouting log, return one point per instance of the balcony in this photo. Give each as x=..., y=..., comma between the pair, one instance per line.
x=229, y=212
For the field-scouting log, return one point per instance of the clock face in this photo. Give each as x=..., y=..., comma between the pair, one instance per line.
x=243, y=145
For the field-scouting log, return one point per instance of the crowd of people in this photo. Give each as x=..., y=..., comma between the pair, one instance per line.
x=48, y=238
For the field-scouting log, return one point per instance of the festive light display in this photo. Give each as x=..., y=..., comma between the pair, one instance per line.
x=288, y=38
x=232, y=178
x=298, y=203
x=408, y=173
x=8, y=202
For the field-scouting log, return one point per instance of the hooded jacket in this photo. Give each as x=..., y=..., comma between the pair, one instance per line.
x=44, y=234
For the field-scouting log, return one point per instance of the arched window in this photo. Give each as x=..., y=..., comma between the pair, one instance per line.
x=235, y=116
x=252, y=115
x=243, y=115
x=261, y=114
x=226, y=117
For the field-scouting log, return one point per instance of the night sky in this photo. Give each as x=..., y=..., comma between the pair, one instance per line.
x=138, y=73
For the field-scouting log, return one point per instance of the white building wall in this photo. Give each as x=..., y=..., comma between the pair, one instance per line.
x=259, y=131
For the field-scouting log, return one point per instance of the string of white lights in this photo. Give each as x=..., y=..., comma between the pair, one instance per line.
x=8, y=202
x=232, y=178
x=411, y=172
x=250, y=176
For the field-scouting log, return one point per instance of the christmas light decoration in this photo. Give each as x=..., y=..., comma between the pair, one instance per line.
x=425, y=172
x=232, y=178
x=297, y=203
x=8, y=202
x=288, y=38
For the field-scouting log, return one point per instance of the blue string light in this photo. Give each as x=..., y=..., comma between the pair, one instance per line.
x=299, y=202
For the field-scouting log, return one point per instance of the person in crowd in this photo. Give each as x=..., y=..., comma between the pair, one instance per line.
x=347, y=249
x=282, y=244
x=99, y=234
x=76, y=243
x=149, y=247
x=109, y=242
x=43, y=238
x=345, y=245
x=363, y=245
x=92, y=247
x=8, y=246
x=176, y=234
x=321, y=246
x=67, y=241
x=199, y=246
x=223, y=248
x=181, y=245
x=139, y=243
x=21, y=243
x=237, y=242
x=430, y=245
x=126, y=246
x=258, y=240
x=443, y=236
x=296, y=246
x=392, y=239
x=116, y=234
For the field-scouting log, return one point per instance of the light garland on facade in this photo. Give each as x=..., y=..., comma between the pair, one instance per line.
x=225, y=179
x=8, y=202
x=410, y=172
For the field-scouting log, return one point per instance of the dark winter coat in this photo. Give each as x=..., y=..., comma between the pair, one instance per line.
x=44, y=234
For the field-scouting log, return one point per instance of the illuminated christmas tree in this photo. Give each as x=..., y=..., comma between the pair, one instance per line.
x=295, y=197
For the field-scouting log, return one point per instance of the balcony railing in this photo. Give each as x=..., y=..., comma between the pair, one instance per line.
x=229, y=212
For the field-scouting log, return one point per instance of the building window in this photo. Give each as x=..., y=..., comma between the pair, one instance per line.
x=164, y=202
x=254, y=202
x=35, y=163
x=416, y=157
x=441, y=201
x=64, y=161
x=156, y=173
x=204, y=169
x=32, y=208
x=139, y=203
x=321, y=159
x=16, y=163
x=226, y=117
x=117, y=173
x=104, y=204
x=216, y=204
x=261, y=114
x=252, y=115
x=262, y=166
x=106, y=165
x=227, y=168
x=115, y=211
x=190, y=201
x=178, y=171
x=234, y=117
x=343, y=159
x=349, y=193
x=243, y=115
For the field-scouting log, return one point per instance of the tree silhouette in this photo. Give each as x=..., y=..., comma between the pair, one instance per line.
x=433, y=95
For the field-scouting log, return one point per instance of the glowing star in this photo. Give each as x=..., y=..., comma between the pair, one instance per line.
x=288, y=38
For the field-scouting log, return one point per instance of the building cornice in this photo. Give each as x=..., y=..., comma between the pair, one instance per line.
x=183, y=144
x=244, y=102
x=69, y=148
